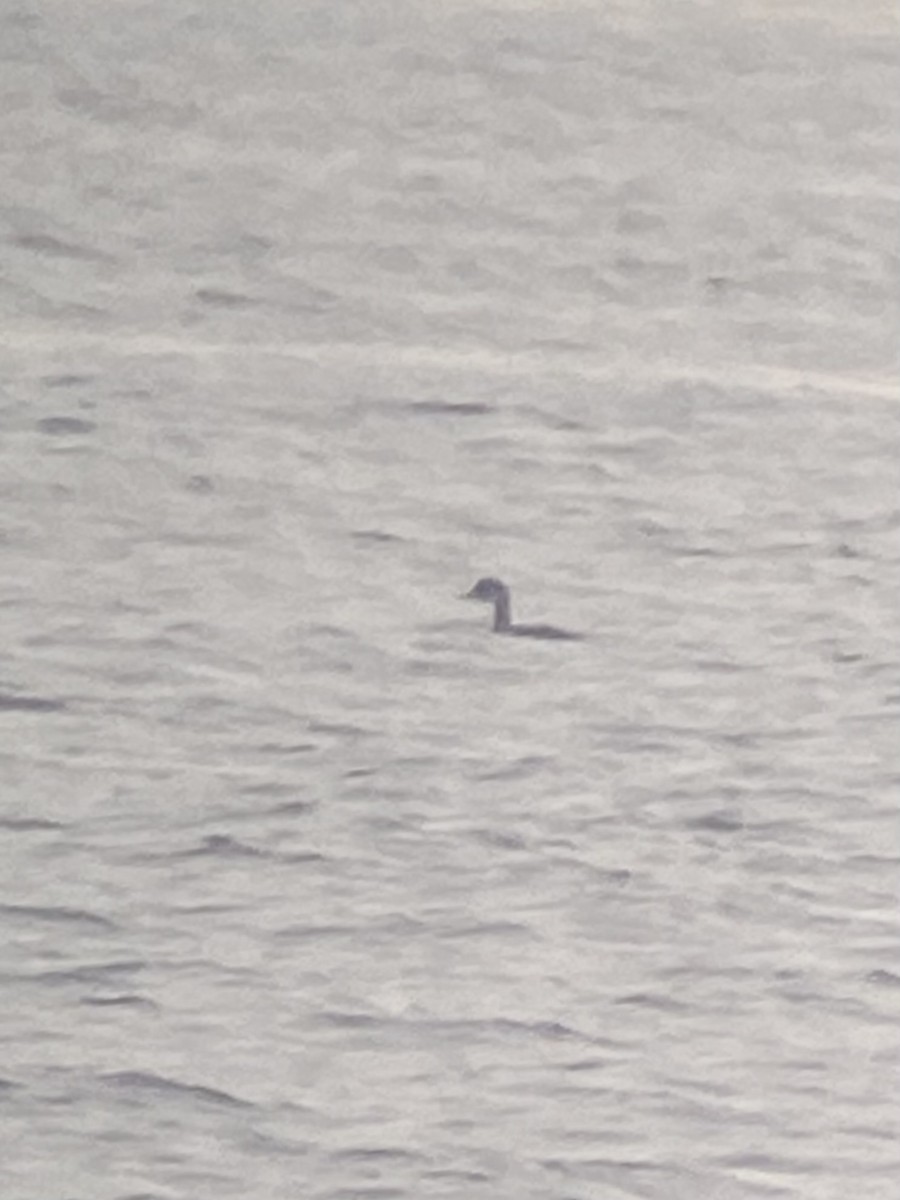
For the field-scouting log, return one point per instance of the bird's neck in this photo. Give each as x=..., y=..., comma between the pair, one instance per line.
x=502, y=613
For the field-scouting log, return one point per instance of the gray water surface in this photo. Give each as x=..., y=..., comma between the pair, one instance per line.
x=311, y=886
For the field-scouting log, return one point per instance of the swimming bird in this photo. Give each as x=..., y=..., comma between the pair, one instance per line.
x=494, y=592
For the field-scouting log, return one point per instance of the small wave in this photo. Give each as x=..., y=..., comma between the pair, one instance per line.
x=315, y=933
x=44, y=243
x=648, y=1000
x=286, y=748
x=883, y=978
x=374, y=535
x=145, y=1196
x=92, y=973
x=65, y=426
x=552, y=420
x=291, y=808
x=26, y=824
x=144, y=1081
x=449, y=408
x=129, y=1000
x=339, y=729
x=67, y=916
x=219, y=298
x=547, y=1030
x=489, y=929
x=221, y=846
x=66, y=381
x=716, y=822
x=345, y=1020
x=11, y=703
x=372, y=1154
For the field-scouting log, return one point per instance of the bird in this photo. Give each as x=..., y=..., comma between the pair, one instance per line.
x=493, y=591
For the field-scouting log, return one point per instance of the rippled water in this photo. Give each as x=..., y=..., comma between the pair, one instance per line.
x=312, y=886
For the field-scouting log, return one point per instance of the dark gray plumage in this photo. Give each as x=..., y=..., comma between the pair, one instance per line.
x=493, y=591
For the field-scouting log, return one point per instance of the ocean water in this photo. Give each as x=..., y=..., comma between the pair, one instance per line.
x=311, y=886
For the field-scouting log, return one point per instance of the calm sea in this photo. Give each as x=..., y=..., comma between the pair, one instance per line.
x=311, y=886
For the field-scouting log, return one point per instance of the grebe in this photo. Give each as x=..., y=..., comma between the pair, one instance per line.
x=497, y=593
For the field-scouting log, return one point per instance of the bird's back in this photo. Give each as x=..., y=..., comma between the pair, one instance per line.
x=545, y=632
